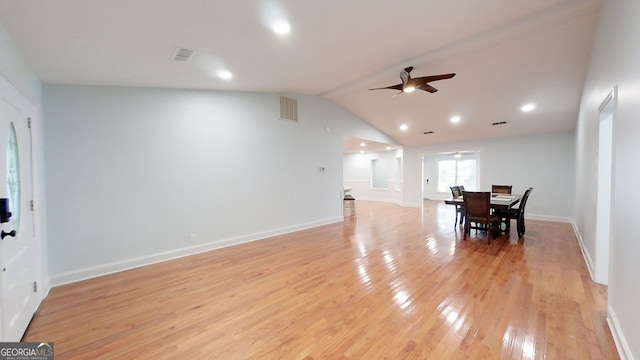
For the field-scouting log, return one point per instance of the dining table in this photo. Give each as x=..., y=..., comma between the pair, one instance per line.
x=498, y=201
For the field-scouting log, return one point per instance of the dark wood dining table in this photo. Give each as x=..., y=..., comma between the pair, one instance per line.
x=498, y=201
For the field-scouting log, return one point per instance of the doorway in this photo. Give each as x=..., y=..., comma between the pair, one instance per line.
x=441, y=170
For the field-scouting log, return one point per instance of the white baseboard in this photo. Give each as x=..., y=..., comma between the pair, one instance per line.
x=583, y=250
x=618, y=336
x=413, y=205
x=127, y=264
x=548, y=218
x=392, y=201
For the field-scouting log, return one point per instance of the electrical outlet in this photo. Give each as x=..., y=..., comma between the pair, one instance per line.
x=192, y=238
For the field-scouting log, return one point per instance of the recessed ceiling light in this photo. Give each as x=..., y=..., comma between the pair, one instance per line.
x=361, y=151
x=404, y=127
x=455, y=119
x=224, y=74
x=388, y=147
x=528, y=107
x=363, y=144
x=281, y=27
x=457, y=155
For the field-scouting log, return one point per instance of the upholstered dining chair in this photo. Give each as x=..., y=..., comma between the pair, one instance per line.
x=501, y=189
x=477, y=214
x=455, y=192
x=516, y=213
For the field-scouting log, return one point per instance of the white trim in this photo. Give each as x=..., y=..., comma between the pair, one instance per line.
x=618, y=336
x=583, y=250
x=548, y=218
x=610, y=96
x=397, y=202
x=412, y=205
x=132, y=263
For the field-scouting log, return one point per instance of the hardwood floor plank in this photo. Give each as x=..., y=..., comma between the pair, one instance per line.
x=392, y=283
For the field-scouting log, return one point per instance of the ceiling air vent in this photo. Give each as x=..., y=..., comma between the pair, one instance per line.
x=288, y=108
x=499, y=123
x=182, y=54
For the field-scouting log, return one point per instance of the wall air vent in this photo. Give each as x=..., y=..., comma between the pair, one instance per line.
x=288, y=108
x=182, y=54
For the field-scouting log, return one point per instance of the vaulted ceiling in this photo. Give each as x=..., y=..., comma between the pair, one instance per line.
x=505, y=53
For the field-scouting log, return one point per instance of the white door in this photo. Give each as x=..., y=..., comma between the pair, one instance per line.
x=19, y=253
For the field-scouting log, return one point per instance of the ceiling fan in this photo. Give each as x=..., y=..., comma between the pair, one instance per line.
x=458, y=154
x=410, y=84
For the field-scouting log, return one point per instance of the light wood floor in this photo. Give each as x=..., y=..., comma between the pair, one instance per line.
x=394, y=283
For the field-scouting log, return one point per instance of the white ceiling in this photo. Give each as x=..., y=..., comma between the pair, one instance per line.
x=505, y=53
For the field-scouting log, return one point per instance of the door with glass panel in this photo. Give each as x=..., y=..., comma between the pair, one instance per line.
x=19, y=254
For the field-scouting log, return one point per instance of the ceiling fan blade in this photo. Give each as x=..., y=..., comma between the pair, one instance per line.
x=426, y=79
x=392, y=87
x=419, y=82
x=396, y=94
x=427, y=87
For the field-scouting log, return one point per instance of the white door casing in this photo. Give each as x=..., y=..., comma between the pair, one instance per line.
x=604, y=189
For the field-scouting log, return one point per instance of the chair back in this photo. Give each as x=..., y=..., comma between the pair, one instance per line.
x=461, y=189
x=523, y=202
x=501, y=189
x=455, y=191
x=477, y=206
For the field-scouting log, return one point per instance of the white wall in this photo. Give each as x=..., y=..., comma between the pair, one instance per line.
x=615, y=60
x=545, y=162
x=16, y=71
x=132, y=172
x=357, y=176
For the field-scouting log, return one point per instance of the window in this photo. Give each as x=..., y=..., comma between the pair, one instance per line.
x=379, y=174
x=457, y=172
x=13, y=177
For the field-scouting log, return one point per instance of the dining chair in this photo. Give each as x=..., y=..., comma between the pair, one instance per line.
x=515, y=213
x=501, y=189
x=477, y=214
x=349, y=206
x=455, y=192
